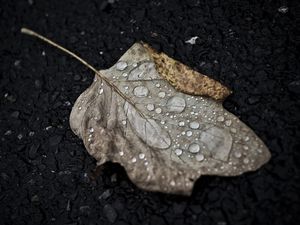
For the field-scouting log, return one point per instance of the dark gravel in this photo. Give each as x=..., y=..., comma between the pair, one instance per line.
x=47, y=177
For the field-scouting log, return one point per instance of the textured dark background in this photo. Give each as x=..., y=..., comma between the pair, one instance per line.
x=46, y=176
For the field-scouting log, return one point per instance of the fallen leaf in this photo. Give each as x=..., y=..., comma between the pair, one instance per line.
x=164, y=138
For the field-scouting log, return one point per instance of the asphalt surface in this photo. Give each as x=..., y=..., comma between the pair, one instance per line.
x=46, y=175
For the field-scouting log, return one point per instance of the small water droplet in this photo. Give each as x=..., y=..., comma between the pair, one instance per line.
x=121, y=153
x=238, y=154
x=194, y=125
x=189, y=133
x=91, y=130
x=178, y=151
x=199, y=157
x=246, y=160
x=150, y=107
x=135, y=64
x=245, y=147
x=194, y=148
x=158, y=110
x=181, y=123
x=228, y=123
x=20, y=136
x=162, y=94
x=246, y=138
x=141, y=155
x=79, y=107
x=162, y=122
x=157, y=85
x=124, y=122
x=133, y=160
x=220, y=118
x=125, y=74
x=172, y=183
x=121, y=65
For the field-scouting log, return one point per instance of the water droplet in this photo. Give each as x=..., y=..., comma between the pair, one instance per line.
x=172, y=183
x=133, y=160
x=178, y=151
x=121, y=153
x=220, y=118
x=199, y=157
x=194, y=148
x=141, y=91
x=125, y=74
x=228, y=123
x=245, y=147
x=162, y=94
x=121, y=65
x=157, y=85
x=124, y=122
x=238, y=154
x=79, y=108
x=91, y=130
x=189, y=133
x=246, y=160
x=162, y=122
x=101, y=91
x=141, y=155
x=20, y=136
x=181, y=123
x=247, y=138
x=158, y=110
x=176, y=104
x=150, y=107
x=194, y=125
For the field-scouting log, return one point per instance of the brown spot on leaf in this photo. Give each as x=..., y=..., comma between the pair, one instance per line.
x=186, y=80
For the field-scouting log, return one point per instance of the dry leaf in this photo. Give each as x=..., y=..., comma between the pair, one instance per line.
x=148, y=117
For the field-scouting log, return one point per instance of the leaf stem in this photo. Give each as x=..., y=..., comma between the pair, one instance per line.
x=109, y=83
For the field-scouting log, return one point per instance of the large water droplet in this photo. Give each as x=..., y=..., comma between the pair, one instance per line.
x=141, y=91
x=194, y=125
x=176, y=104
x=194, y=148
x=121, y=65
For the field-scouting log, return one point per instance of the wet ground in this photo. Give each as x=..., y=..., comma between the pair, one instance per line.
x=47, y=177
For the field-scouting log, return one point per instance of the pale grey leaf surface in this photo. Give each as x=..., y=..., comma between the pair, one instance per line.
x=179, y=138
